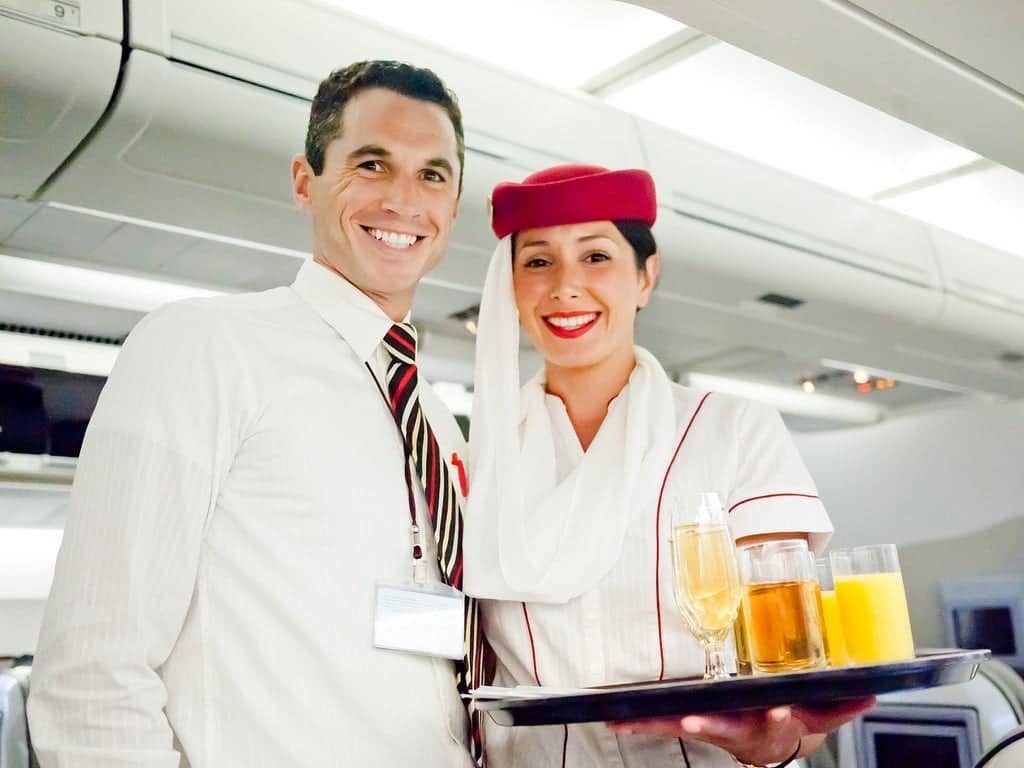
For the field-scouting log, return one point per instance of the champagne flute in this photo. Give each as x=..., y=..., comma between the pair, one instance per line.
x=706, y=584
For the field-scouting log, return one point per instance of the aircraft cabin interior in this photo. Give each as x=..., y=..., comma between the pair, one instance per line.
x=840, y=194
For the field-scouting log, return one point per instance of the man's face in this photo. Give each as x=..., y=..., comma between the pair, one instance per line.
x=384, y=205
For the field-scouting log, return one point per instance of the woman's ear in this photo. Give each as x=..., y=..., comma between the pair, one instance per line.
x=648, y=279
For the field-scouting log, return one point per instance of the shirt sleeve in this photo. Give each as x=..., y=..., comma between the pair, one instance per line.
x=160, y=440
x=772, y=490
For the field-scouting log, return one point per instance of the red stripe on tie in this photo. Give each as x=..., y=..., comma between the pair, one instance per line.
x=771, y=496
x=457, y=574
x=399, y=338
x=400, y=387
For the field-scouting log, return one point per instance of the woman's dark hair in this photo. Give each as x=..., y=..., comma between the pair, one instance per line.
x=640, y=237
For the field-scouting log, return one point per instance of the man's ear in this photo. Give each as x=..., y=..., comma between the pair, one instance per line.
x=649, y=278
x=302, y=174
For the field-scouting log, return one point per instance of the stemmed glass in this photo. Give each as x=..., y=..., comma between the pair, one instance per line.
x=706, y=584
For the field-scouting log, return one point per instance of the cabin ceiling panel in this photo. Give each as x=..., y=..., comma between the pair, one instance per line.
x=985, y=36
x=211, y=263
x=140, y=249
x=60, y=234
x=12, y=214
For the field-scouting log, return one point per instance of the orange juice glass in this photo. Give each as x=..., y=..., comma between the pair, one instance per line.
x=835, y=643
x=872, y=604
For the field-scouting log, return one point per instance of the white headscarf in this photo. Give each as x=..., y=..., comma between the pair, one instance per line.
x=527, y=536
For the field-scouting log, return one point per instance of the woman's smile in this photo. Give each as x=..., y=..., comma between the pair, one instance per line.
x=570, y=325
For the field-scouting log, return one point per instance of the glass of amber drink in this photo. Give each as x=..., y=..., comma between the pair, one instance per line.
x=872, y=604
x=706, y=579
x=781, y=607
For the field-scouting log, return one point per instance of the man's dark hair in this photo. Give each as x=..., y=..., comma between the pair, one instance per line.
x=342, y=84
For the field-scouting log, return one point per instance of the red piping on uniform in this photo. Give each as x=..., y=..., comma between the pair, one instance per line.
x=533, y=648
x=657, y=535
x=536, y=677
x=770, y=496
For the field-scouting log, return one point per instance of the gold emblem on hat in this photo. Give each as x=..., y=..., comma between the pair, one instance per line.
x=490, y=210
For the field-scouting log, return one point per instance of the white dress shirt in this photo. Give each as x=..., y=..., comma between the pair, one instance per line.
x=610, y=634
x=239, y=494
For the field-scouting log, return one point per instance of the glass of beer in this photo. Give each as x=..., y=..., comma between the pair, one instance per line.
x=706, y=579
x=835, y=644
x=872, y=604
x=781, y=607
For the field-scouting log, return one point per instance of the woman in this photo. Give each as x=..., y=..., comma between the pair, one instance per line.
x=564, y=524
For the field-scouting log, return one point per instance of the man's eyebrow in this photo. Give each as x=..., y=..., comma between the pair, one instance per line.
x=440, y=162
x=368, y=149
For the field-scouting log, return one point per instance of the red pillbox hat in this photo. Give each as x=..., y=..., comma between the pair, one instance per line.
x=570, y=194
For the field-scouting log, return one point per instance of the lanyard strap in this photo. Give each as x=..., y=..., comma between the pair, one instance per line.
x=419, y=567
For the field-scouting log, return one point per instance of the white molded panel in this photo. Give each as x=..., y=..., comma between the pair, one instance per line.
x=708, y=183
x=293, y=44
x=854, y=52
x=980, y=273
x=190, y=148
x=54, y=86
x=861, y=301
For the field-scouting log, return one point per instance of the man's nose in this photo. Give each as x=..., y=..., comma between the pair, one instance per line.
x=402, y=197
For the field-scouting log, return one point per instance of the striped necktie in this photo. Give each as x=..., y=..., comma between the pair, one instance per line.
x=442, y=501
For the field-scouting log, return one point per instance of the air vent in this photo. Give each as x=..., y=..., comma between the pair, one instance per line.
x=1011, y=358
x=469, y=313
x=781, y=300
x=53, y=333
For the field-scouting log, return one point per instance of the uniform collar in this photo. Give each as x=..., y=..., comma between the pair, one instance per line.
x=349, y=311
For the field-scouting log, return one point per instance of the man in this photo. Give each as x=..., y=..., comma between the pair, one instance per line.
x=240, y=493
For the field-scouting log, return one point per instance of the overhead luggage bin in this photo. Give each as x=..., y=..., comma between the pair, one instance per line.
x=216, y=99
x=58, y=69
x=709, y=184
x=190, y=148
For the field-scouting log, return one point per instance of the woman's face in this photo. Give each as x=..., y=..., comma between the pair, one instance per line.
x=577, y=288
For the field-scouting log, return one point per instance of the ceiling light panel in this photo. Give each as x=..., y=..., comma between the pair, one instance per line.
x=734, y=100
x=987, y=206
x=528, y=37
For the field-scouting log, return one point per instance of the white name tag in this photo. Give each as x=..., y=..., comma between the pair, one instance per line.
x=426, y=619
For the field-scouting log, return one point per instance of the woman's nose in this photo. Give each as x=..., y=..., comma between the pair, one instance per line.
x=565, y=283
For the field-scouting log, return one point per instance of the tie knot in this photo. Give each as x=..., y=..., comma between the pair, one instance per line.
x=400, y=342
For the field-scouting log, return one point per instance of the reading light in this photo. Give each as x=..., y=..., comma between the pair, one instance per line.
x=788, y=400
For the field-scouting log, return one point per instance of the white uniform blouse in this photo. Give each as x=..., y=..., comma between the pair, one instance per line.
x=240, y=492
x=628, y=628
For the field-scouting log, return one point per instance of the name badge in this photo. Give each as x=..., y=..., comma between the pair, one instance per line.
x=427, y=619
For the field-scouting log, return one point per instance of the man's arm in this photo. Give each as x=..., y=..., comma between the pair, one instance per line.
x=145, y=484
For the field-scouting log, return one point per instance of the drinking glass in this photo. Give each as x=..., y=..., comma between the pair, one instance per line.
x=706, y=579
x=835, y=644
x=781, y=606
x=872, y=604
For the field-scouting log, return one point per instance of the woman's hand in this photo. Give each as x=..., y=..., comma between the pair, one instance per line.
x=759, y=736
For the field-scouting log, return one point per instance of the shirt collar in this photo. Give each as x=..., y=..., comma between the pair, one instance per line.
x=349, y=311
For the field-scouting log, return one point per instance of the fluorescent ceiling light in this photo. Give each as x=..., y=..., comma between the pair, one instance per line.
x=734, y=100
x=32, y=351
x=27, y=560
x=186, y=231
x=987, y=206
x=91, y=286
x=791, y=399
x=562, y=43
